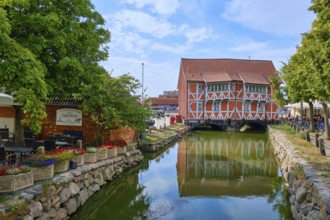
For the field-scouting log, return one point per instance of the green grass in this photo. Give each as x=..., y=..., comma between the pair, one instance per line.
x=304, y=149
x=286, y=128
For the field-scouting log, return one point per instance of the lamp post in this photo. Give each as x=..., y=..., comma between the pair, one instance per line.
x=142, y=80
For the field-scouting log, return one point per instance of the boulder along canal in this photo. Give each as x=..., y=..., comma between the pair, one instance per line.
x=206, y=175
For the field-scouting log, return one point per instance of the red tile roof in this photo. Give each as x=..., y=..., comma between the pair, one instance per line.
x=222, y=70
x=164, y=101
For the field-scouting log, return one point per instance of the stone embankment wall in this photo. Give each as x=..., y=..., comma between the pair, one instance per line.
x=309, y=193
x=65, y=193
x=152, y=147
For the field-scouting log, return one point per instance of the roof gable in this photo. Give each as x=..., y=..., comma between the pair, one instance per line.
x=222, y=70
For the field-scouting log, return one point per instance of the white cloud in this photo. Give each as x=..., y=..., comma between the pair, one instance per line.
x=250, y=46
x=194, y=35
x=163, y=7
x=144, y=23
x=264, y=51
x=158, y=76
x=281, y=17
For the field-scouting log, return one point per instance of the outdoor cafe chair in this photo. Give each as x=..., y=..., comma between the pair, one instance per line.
x=36, y=144
x=70, y=140
x=9, y=143
x=28, y=142
x=4, y=135
x=6, y=158
x=49, y=145
x=52, y=138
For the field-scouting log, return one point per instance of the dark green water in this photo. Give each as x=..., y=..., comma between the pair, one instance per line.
x=208, y=175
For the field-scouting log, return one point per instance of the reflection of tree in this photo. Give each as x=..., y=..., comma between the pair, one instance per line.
x=280, y=197
x=124, y=198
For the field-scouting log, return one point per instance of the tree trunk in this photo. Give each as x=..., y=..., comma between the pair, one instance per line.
x=98, y=138
x=19, y=128
x=301, y=110
x=326, y=124
x=311, y=116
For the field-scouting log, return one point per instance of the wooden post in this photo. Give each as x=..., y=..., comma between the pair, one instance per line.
x=79, y=143
x=308, y=138
x=322, y=149
x=316, y=135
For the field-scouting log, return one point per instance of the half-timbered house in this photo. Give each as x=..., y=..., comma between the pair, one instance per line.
x=223, y=91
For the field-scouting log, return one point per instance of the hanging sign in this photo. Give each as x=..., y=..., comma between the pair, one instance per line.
x=69, y=116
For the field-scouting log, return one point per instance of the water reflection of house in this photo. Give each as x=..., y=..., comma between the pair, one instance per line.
x=218, y=165
x=216, y=90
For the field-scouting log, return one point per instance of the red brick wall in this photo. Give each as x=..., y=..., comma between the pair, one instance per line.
x=7, y=112
x=182, y=97
x=88, y=127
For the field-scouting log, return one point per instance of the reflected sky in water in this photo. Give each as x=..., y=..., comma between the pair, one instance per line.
x=209, y=175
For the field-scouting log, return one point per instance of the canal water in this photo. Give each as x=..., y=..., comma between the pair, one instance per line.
x=207, y=175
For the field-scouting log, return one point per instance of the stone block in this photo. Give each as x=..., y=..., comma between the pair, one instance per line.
x=301, y=194
x=65, y=194
x=83, y=194
x=70, y=206
x=36, y=209
x=74, y=189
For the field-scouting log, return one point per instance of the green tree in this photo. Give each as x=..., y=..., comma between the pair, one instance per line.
x=316, y=44
x=112, y=103
x=276, y=88
x=66, y=36
x=297, y=78
x=22, y=76
x=60, y=42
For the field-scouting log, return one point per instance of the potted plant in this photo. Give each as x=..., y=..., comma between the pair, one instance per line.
x=121, y=145
x=79, y=155
x=91, y=156
x=112, y=150
x=63, y=157
x=102, y=153
x=43, y=168
x=15, y=177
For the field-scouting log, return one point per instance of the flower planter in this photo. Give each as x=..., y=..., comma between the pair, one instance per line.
x=112, y=152
x=61, y=166
x=121, y=150
x=102, y=154
x=90, y=157
x=42, y=173
x=10, y=183
x=131, y=146
x=80, y=159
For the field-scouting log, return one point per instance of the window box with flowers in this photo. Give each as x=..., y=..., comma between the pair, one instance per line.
x=63, y=157
x=43, y=168
x=91, y=156
x=112, y=150
x=121, y=145
x=15, y=177
x=79, y=155
x=102, y=153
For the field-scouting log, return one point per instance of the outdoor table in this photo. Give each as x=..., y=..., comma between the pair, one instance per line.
x=61, y=143
x=21, y=150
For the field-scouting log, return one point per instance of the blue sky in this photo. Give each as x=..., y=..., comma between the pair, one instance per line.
x=159, y=33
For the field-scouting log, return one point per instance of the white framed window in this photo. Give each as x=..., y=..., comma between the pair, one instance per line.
x=216, y=106
x=261, y=106
x=200, y=106
x=200, y=88
x=247, y=106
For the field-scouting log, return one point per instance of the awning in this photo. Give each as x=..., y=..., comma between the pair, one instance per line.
x=305, y=105
x=6, y=100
